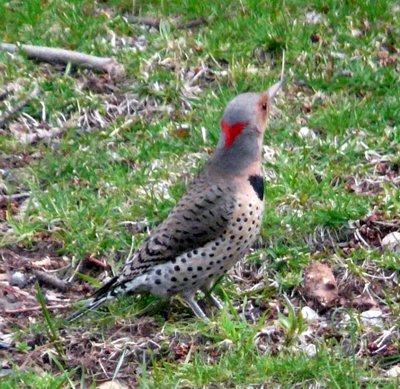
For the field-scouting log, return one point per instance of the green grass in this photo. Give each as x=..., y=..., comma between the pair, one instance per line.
x=96, y=176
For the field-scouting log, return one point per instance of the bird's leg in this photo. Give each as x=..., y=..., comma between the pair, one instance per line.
x=215, y=301
x=207, y=290
x=190, y=300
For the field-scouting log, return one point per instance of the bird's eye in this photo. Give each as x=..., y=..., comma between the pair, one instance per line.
x=264, y=106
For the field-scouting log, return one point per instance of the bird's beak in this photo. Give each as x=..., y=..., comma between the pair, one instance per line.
x=274, y=89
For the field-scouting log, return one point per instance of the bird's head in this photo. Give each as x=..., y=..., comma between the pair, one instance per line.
x=242, y=130
x=246, y=116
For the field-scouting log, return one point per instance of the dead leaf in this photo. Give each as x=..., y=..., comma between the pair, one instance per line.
x=320, y=284
x=182, y=131
x=44, y=263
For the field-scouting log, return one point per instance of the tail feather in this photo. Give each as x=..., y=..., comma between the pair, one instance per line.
x=107, y=287
x=94, y=303
x=99, y=297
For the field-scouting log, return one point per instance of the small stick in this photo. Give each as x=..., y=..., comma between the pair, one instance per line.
x=51, y=280
x=34, y=309
x=98, y=263
x=51, y=54
x=156, y=22
x=20, y=105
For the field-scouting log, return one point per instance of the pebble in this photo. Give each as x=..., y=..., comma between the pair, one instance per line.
x=310, y=350
x=18, y=279
x=226, y=344
x=391, y=242
x=309, y=314
x=393, y=372
x=373, y=317
x=307, y=133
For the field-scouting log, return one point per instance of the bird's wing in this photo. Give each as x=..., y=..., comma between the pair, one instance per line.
x=200, y=217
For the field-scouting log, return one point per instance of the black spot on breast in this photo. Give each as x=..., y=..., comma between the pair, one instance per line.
x=257, y=182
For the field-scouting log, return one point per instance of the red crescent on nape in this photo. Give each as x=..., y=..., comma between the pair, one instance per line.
x=231, y=132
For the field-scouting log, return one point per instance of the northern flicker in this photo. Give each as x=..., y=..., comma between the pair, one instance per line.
x=215, y=222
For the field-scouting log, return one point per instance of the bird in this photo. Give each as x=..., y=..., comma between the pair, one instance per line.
x=215, y=222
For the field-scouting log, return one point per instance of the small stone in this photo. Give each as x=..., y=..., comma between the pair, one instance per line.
x=373, y=317
x=309, y=314
x=391, y=242
x=307, y=133
x=313, y=17
x=393, y=372
x=356, y=32
x=310, y=350
x=338, y=55
x=226, y=344
x=18, y=279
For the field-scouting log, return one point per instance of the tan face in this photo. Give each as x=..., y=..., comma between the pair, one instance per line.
x=262, y=111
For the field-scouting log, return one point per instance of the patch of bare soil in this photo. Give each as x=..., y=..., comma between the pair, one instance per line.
x=372, y=229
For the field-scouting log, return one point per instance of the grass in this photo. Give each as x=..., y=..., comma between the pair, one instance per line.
x=342, y=68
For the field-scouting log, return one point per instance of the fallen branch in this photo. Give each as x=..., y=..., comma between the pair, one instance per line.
x=156, y=22
x=19, y=105
x=56, y=55
x=34, y=309
x=52, y=281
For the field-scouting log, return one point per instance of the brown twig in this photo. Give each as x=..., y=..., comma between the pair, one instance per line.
x=20, y=105
x=52, y=281
x=34, y=309
x=100, y=264
x=51, y=54
x=156, y=22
